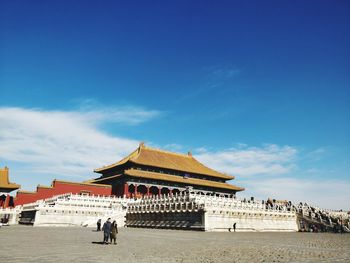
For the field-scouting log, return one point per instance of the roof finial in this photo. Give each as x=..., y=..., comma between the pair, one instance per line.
x=142, y=144
x=189, y=153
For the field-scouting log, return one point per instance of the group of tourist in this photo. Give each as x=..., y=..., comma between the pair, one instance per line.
x=4, y=220
x=110, y=231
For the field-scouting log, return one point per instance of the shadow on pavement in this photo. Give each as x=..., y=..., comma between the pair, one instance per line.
x=99, y=243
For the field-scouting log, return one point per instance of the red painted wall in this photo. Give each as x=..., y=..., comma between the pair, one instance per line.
x=2, y=202
x=60, y=187
x=24, y=198
x=5, y=203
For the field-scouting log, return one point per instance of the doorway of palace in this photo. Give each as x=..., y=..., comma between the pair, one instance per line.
x=165, y=191
x=153, y=190
x=142, y=189
x=131, y=189
x=176, y=191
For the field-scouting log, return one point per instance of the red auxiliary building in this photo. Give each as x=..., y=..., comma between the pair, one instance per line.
x=5, y=188
x=149, y=171
x=42, y=192
x=60, y=187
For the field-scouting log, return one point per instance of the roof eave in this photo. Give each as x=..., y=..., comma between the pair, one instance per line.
x=232, y=187
x=104, y=178
x=224, y=176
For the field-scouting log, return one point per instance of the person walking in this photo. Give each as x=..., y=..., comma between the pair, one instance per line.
x=99, y=224
x=114, y=232
x=234, y=227
x=106, y=230
x=341, y=225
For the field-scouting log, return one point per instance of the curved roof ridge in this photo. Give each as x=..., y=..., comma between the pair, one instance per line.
x=168, y=160
x=189, y=164
x=122, y=161
x=165, y=151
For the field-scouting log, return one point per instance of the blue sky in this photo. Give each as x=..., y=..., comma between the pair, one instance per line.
x=258, y=89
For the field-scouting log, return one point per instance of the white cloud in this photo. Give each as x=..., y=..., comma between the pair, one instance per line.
x=71, y=144
x=65, y=143
x=331, y=194
x=247, y=161
x=268, y=171
x=125, y=115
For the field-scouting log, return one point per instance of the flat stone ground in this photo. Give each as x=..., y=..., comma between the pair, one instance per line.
x=63, y=244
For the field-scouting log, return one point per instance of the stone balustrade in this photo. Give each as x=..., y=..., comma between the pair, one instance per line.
x=187, y=209
x=212, y=213
x=74, y=209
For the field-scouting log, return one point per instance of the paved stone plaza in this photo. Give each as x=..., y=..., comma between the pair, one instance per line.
x=28, y=244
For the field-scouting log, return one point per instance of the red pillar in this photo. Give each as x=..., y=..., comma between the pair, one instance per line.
x=159, y=191
x=147, y=190
x=7, y=201
x=135, y=190
x=171, y=192
x=126, y=190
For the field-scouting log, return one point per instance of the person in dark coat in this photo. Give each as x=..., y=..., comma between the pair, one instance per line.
x=99, y=225
x=114, y=232
x=106, y=230
x=234, y=227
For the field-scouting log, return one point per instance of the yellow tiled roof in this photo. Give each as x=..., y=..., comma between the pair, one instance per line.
x=4, y=180
x=26, y=192
x=103, y=178
x=168, y=160
x=84, y=183
x=178, y=179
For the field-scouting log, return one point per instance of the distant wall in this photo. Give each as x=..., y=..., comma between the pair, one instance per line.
x=250, y=220
x=60, y=187
x=58, y=216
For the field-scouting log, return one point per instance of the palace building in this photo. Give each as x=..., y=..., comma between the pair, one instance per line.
x=157, y=189
x=149, y=171
x=5, y=188
x=146, y=171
